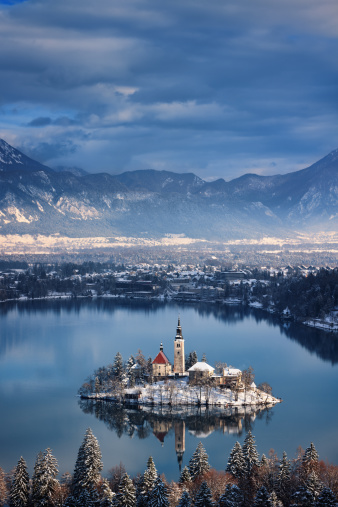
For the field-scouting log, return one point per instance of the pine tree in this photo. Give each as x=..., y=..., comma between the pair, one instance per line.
x=284, y=479
x=302, y=498
x=185, y=476
x=262, y=498
x=185, y=500
x=314, y=485
x=250, y=454
x=326, y=498
x=19, y=492
x=149, y=478
x=236, y=463
x=159, y=495
x=309, y=462
x=107, y=496
x=88, y=464
x=198, y=463
x=118, y=366
x=126, y=496
x=44, y=482
x=274, y=502
x=3, y=488
x=203, y=497
x=233, y=496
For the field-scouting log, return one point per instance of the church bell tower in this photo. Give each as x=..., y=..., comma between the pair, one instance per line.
x=179, y=358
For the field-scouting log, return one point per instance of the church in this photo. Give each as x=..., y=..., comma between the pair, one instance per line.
x=161, y=366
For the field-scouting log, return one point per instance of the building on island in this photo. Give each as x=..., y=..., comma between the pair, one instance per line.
x=179, y=357
x=161, y=366
x=200, y=370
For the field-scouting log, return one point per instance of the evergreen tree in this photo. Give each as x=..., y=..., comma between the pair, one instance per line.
x=233, y=497
x=198, y=463
x=203, y=497
x=159, y=495
x=250, y=454
x=107, y=496
x=302, y=498
x=185, y=476
x=3, y=488
x=19, y=491
x=262, y=498
x=88, y=464
x=149, y=478
x=309, y=462
x=284, y=479
x=326, y=498
x=45, y=484
x=118, y=366
x=185, y=500
x=314, y=485
x=126, y=496
x=236, y=463
x=274, y=502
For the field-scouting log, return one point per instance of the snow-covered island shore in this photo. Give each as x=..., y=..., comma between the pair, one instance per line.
x=179, y=392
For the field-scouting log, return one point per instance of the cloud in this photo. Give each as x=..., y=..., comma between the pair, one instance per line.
x=183, y=85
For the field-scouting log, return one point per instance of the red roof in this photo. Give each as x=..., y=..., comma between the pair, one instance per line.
x=161, y=358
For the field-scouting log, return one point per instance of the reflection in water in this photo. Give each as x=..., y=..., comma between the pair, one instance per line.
x=160, y=421
x=323, y=344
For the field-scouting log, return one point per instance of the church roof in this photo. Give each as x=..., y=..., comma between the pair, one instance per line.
x=161, y=358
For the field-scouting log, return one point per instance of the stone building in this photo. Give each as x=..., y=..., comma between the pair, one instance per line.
x=161, y=367
x=179, y=358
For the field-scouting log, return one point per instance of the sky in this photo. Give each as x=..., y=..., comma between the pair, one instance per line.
x=219, y=87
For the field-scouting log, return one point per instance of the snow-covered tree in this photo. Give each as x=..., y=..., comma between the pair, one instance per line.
x=274, y=501
x=204, y=497
x=250, y=454
x=88, y=464
x=232, y=497
x=326, y=498
x=236, y=462
x=262, y=498
x=159, y=495
x=284, y=479
x=19, y=491
x=185, y=500
x=198, y=463
x=3, y=488
x=107, y=496
x=302, y=498
x=314, y=485
x=185, y=476
x=126, y=496
x=149, y=478
x=118, y=366
x=44, y=483
x=309, y=461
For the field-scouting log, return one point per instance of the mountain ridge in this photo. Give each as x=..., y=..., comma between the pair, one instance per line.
x=35, y=199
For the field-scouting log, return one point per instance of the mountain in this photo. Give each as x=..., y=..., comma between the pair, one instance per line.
x=37, y=199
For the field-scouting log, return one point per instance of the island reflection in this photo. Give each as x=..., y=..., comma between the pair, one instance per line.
x=143, y=421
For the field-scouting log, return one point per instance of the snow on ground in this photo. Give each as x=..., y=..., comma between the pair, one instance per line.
x=178, y=392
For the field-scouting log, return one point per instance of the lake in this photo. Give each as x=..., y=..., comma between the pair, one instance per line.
x=47, y=349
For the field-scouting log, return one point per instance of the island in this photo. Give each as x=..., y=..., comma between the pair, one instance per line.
x=185, y=383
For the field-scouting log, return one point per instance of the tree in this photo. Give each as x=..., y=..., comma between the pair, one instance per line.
x=284, y=479
x=236, y=462
x=44, y=483
x=159, y=495
x=118, y=366
x=126, y=496
x=326, y=498
x=107, y=496
x=273, y=499
x=88, y=464
x=204, y=497
x=302, y=498
x=314, y=485
x=198, y=463
x=250, y=454
x=185, y=476
x=149, y=477
x=262, y=498
x=309, y=462
x=185, y=500
x=233, y=496
x=19, y=491
x=3, y=488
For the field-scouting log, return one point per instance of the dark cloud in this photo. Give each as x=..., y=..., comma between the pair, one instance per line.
x=215, y=87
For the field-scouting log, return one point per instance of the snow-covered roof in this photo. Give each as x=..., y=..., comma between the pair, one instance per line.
x=201, y=366
x=231, y=372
